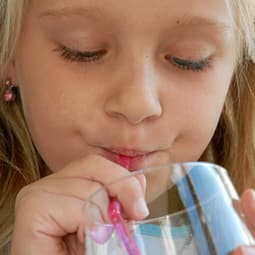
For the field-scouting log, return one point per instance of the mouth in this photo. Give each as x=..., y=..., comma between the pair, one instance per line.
x=127, y=158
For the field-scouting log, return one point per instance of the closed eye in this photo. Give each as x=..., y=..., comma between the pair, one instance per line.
x=80, y=56
x=189, y=65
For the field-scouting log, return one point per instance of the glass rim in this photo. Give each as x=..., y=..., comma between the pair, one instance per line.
x=151, y=169
x=164, y=217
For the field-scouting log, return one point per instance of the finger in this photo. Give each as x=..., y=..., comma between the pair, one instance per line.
x=244, y=250
x=96, y=214
x=93, y=167
x=143, y=182
x=130, y=192
x=96, y=223
x=74, y=180
x=79, y=188
x=157, y=171
x=248, y=209
x=73, y=187
x=53, y=217
x=74, y=245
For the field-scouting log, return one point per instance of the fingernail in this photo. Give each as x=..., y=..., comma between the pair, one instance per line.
x=248, y=250
x=141, y=208
x=253, y=194
x=99, y=231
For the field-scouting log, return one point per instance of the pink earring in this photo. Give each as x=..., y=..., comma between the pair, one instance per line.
x=9, y=94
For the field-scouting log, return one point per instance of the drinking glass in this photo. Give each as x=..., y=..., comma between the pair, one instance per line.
x=192, y=211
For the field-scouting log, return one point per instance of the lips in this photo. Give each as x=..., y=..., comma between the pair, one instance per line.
x=126, y=158
x=128, y=153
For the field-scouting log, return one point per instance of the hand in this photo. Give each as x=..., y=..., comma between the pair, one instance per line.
x=247, y=206
x=49, y=213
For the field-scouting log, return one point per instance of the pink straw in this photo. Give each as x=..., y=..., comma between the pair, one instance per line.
x=121, y=228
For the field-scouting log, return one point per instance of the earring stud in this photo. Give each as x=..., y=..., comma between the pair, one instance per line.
x=9, y=94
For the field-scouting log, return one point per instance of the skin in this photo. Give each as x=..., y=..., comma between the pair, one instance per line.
x=131, y=100
x=148, y=104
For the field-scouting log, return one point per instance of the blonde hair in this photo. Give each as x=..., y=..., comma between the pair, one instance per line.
x=232, y=146
x=20, y=164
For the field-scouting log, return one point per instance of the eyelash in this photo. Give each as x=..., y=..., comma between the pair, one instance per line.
x=189, y=65
x=91, y=56
x=79, y=56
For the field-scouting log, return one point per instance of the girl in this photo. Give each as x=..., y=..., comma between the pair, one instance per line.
x=91, y=89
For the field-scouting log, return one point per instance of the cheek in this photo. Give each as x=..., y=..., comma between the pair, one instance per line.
x=50, y=125
x=55, y=121
x=52, y=105
x=195, y=132
x=53, y=109
x=197, y=113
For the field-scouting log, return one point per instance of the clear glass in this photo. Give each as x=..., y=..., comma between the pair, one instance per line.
x=191, y=212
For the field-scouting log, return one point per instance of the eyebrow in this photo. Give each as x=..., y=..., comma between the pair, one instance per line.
x=96, y=13
x=66, y=12
x=204, y=21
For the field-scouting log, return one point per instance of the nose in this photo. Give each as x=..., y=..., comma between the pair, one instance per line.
x=135, y=99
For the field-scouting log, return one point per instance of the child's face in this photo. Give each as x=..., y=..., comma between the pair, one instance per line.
x=142, y=77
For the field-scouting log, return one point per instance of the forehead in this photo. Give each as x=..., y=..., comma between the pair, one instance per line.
x=137, y=14
x=131, y=8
